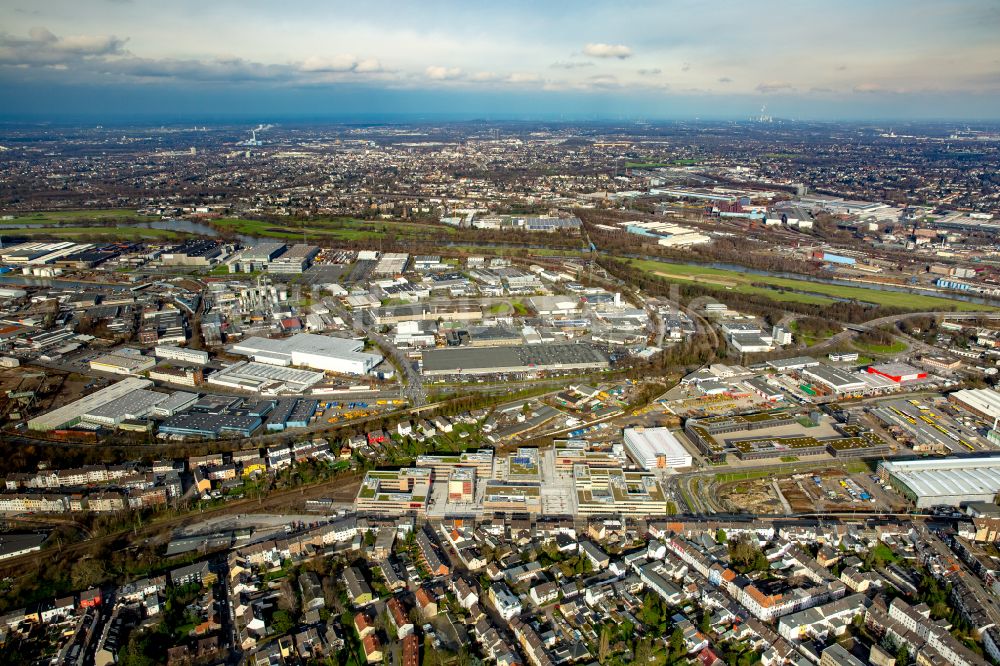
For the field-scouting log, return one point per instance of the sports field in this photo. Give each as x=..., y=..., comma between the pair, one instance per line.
x=815, y=292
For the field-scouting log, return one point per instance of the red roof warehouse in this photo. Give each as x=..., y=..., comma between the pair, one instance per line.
x=897, y=372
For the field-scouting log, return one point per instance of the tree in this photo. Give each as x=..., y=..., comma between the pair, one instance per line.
x=902, y=656
x=705, y=624
x=604, y=650
x=282, y=622
x=720, y=536
x=677, y=649
x=87, y=573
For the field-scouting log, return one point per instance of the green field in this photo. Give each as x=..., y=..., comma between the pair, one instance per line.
x=74, y=216
x=894, y=348
x=96, y=233
x=342, y=228
x=744, y=283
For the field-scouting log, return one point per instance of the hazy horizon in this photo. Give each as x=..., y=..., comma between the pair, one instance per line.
x=853, y=61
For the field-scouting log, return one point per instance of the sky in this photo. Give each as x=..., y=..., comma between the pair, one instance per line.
x=586, y=59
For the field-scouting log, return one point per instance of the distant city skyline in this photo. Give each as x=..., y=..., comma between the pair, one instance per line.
x=118, y=59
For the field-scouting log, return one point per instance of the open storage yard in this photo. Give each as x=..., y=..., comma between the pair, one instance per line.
x=827, y=490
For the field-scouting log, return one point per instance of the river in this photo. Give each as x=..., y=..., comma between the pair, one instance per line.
x=180, y=226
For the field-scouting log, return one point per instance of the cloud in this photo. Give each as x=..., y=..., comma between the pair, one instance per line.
x=600, y=50
x=218, y=70
x=523, y=77
x=773, y=87
x=869, y=88
x=485, y=77
x=821, y=91
x=340, y=63
x=686, y=67
x=570, y=65
x=650, y=72
x=438, y=73
x=106, y=55
x=603, y=81
x=42, y=48
x=725, y=79
x=368, y=66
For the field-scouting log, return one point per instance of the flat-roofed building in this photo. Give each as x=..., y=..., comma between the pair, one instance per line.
x=395, y=492
x=946, y=481
x=840, y=381
x=897, y=372
x=264, y=378
x=71, y=414
x=511, y=359
x=319, y=352
x=442, y=464
x=174, y=372
x=462, y=484
x=615, y=491
x=522, y=496
x=174, y=403
x=796, y=363
x=295, y=260
x=122, y=363
x=134, y=405
x=567, y=458
x=173, y=353
x=391, y=263
x=655, y=448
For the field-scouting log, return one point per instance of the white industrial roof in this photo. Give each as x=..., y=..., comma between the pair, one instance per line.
x=648, y=443
x=983, y=400
x=74, y=410
x=955, y=476
x=133, y=404
x=304, y=343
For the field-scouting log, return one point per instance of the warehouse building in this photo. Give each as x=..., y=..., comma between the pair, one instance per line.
x=123, y=363
x=656, y=448
x=176, y=402
x=982, y=402
x=132, y=406
x=256, y=258
x=295, y=260
x=391, y=263
x=216, y=416
x=319, y=352
x=265, y=379
x=796, y=363
x=176, y=373
x=840, y=381
x=949, y=481
x=172, y=353
x=897, y=372
x=71, y=414
x=194, y=252
x=518, y=358
x=277, y=420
